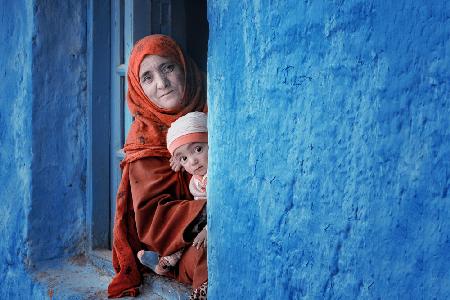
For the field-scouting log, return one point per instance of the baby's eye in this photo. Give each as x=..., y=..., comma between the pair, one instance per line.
x=198, y=149
x=183, y=159
x=168, y=68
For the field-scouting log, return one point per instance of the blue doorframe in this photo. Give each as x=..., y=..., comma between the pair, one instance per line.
x=99, y=120
x=113, y=28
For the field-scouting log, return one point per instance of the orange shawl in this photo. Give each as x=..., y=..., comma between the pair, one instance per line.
x=147, y=138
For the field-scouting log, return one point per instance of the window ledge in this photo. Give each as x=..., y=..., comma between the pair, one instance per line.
x=83, y=278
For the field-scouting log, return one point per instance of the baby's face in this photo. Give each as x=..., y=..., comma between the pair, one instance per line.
x=193, y=157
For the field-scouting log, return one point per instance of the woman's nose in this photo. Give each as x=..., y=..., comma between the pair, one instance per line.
x=161, y=81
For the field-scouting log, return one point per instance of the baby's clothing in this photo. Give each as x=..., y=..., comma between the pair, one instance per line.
x=197, y=186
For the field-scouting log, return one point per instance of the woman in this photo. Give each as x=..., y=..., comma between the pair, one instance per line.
x=153, y=210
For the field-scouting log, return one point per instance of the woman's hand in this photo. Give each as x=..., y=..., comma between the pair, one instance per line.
x=175, y=164
x=201, y=239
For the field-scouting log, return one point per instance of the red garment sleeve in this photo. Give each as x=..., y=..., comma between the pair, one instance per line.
x=161, y=217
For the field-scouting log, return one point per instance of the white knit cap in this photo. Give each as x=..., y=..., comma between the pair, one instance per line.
x=187, y=129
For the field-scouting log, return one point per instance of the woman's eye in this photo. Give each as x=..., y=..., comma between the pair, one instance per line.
x=147, y=78
x=198, y=149
x=168, y=68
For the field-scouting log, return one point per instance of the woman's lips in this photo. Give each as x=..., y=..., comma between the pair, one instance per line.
x=166, y=94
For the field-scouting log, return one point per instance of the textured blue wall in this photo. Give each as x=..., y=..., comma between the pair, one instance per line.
x=330, y=149
x=42, y=138
x=15, y=143
x=59, y=129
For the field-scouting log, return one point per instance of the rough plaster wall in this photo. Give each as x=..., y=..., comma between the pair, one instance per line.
x=329, y=149
x=15, y=148
x=57, y=219
x=42, y=139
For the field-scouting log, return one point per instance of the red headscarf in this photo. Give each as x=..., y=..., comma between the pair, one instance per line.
x=147, y=137
x=151, y=122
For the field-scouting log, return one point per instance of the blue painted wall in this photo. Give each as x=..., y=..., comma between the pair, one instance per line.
x=57, y=214
x=42, y=139
x=330, y=149
x=15, y=143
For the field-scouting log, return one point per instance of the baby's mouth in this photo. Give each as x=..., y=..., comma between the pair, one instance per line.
x=198, y=169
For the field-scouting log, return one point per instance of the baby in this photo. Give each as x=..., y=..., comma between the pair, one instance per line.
x=187, y=142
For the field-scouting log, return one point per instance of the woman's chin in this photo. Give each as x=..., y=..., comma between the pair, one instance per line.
x=172, y=103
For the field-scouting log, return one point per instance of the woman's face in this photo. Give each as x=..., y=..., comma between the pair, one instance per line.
x=163, y=82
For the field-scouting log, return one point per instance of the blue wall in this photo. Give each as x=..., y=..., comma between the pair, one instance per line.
x=15, y=143
x=42, y=139
x=59, y=129
x=330, y=149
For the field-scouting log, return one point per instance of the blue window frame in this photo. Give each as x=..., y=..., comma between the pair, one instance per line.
x=113, y=28
x=99, y=119
x=126, y=29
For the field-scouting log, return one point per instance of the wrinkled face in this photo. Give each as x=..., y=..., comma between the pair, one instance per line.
x=163, y=82
x=193, y=157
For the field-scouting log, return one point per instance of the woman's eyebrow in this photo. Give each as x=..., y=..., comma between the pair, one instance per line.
x=164, y=64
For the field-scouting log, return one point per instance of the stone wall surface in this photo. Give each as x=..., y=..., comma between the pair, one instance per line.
x=15, y=150
x=42, y=139
x=329, y=149
x=15, y=143
x=59, y=129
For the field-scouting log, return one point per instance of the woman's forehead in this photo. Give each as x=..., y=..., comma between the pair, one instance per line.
x=151, y=62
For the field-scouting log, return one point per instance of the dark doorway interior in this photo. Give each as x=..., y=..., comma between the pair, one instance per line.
x=186, y=21
x=197, y=31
